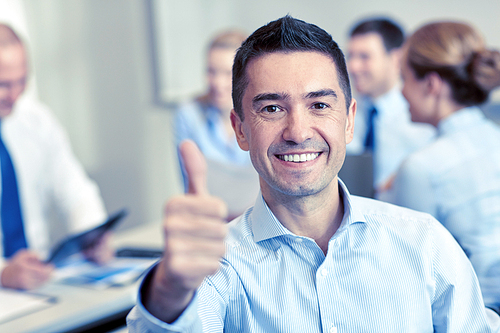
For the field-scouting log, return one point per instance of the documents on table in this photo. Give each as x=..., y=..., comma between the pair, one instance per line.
x=77, y=271
x=119, y=272
x=14, y=303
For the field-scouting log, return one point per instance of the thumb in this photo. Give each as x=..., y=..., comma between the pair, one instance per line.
x=195, y=166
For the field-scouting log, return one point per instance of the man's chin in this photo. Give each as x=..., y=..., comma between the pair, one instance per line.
x=361, y=86
x=298, y=189
x=222, y=105
x=362, y=90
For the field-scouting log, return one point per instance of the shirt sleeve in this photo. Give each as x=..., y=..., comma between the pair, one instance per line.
x=199, y=316
x=457, y=305
x=181, y=126
x=76, y=196
x=3, y=264
x=412, y=187
x=183, y=131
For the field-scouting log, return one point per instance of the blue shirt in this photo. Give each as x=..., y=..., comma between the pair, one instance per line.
x=396, y=136
x=227, y=163
x=202, y=123
x=457, y=180
x=387, y=269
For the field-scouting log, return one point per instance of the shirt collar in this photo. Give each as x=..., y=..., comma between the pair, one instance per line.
x=265, y=225
x=390, y=101
x=461, y=119
x=212, y=114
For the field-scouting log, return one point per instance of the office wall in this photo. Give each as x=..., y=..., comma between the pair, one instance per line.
x=181, y=64
x=94, y=69
x=91, y=59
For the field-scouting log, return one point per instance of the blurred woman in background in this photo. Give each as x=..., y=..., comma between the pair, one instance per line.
x=447, y=73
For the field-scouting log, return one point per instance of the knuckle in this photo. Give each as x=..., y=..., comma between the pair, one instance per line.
x=220, y=251
x=220, y=207
x=173, y=204
x=222, y=230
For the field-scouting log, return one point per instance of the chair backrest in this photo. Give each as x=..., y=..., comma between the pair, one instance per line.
x=357, y=174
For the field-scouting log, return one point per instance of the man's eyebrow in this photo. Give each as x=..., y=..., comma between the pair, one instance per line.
x=322, y=93
x=268, y=97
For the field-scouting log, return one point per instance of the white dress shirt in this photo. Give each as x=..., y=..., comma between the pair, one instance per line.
x=396, y=136
x=50, y=179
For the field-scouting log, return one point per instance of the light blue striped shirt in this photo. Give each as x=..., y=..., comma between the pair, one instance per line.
x=457, y=180
x=387, y=269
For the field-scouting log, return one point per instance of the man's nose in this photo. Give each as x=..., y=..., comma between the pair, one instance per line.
x=353, y=64
x=220, y=80
x=298, y=126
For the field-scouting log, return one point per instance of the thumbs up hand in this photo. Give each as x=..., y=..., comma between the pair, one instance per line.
x=194, y=229
x=196, y=168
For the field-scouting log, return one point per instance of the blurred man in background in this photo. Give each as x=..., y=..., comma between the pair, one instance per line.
x=205, y=120
x=383, y=124
x=40, y=174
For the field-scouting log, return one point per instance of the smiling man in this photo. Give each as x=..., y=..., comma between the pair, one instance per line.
x=383, y=124
x=308, y=257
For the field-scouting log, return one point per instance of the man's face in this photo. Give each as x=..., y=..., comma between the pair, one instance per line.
x=370, y=66
x=296, y=124
x=13, y=73
x=219, y=66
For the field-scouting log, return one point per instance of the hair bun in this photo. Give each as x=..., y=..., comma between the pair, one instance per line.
x=486, y=69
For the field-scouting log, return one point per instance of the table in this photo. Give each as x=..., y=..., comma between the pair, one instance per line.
x=80, y=308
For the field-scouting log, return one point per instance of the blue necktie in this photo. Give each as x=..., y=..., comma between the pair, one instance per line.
x=370, y=134
x=12, y=222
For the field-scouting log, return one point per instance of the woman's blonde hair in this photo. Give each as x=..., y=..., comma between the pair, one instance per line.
x=456, y=52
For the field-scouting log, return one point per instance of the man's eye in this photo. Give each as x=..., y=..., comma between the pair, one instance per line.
x=319, y=106
x=271, y=109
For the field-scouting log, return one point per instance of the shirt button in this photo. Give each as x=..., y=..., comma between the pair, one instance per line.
x=333, y=329
x=324, y=272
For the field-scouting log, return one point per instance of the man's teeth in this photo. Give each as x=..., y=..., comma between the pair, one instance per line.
x=298, y=157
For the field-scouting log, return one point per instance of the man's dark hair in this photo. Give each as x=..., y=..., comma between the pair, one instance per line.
x=286, y=34
x=391, y=33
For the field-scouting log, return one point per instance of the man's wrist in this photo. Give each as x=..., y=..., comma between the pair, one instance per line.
x=162, y=299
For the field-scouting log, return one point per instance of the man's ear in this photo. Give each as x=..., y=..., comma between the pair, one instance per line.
x=396, y=55
x=349, y=126
x=238, y=131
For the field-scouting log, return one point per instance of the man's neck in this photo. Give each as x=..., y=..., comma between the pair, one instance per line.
x=315, y=216
x=391, y=84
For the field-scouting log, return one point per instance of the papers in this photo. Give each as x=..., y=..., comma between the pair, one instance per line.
x=119, y=272
x=76, y=272
x=14, y=304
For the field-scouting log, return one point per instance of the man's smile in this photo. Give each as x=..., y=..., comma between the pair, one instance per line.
x=298, y=158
